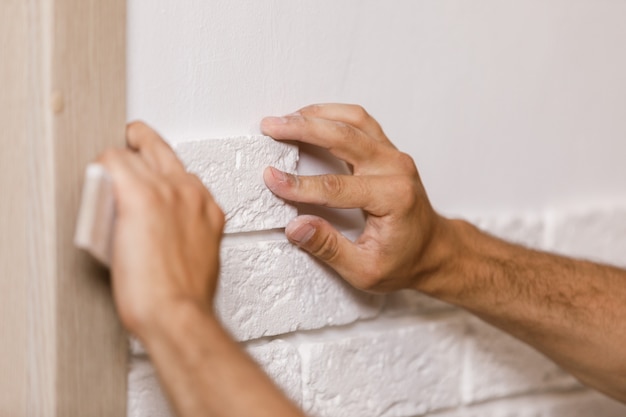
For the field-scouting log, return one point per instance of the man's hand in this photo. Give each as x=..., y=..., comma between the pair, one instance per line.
x=570, y=310
x=167, y=233
x=401, y=243
x=164, y=269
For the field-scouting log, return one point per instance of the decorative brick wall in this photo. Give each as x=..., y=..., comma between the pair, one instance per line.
x=340, y=352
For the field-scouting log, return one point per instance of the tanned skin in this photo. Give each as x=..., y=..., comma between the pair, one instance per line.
x=166, y=263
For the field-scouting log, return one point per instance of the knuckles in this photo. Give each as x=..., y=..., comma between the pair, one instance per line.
x=360, y=115
x=183, y=194
x=347, y=132
x=406, y=193
x=406, y=163
x=325, y=247
x=110, y=155
x=332, y=187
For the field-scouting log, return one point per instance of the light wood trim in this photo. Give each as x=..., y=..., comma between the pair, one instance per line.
x=62, y=72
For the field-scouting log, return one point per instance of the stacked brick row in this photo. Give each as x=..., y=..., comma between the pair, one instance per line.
x=336, y=351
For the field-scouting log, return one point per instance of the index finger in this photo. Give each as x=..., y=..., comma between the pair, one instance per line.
x=351, y=114
x=341, y=139
x=153, y=149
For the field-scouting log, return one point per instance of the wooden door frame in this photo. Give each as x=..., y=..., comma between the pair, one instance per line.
x=63, y=352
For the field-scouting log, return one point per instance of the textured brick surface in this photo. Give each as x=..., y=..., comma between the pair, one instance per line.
x=401, y=371
x=232, y=169
x=497, y=365
x=597, y=234
x=572, y=404
x=395, y=365
x=281, y=361
x=145, y=397
x=271, y=288
x=278, y=359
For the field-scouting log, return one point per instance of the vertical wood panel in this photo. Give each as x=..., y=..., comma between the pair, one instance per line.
x=62, y=74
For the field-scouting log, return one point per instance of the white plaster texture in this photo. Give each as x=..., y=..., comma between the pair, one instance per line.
x=232, y=169
x=281, y=361
x=278, y=359
x=497, y=365
x=271, y=288
x=402, y=371
x=145, y=396
x=597, y=233
x=577, y=403
x=506, y=105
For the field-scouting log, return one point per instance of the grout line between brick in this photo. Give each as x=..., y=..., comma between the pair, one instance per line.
x=240, y=238
x=358, y=328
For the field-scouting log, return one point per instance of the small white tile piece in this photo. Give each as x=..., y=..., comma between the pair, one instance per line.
x=405, y=370
x=498, y=365
x=232, y=169
x=271, y=288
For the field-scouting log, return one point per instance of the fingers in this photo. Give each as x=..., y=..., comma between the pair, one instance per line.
x=350, y=114
x=125, y=166
x=320, y=239
x=343, y=140
x=337, y=191
x=153, y=149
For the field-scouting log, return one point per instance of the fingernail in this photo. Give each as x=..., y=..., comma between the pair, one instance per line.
x=278, y=175
x=302, y=234
x=274, y=121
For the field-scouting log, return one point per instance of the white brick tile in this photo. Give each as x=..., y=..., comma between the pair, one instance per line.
x=404, y=370
x=232, y=169
x=578, y=403
x=281, y=361
x=271, y=288
x=497, y=365
x=278, y=359
x=597, y=234
x=145, y=397
x=524, y=229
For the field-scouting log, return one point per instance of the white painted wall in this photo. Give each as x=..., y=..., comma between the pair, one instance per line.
x=505, y=104
x=509, y=107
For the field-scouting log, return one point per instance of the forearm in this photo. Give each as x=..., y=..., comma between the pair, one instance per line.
x=571, y=310
x=205, y=373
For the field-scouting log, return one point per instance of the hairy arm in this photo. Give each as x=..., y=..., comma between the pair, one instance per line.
x=205, y=373
x=573, y=311
x=164, y=272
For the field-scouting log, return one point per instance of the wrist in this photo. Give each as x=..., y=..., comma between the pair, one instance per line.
x=170, y=320
x=450, y=251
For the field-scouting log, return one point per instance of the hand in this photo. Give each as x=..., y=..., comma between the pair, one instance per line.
x=167, y=233
x=403, y=242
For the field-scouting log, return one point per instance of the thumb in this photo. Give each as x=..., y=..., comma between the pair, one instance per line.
x=323, y=241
